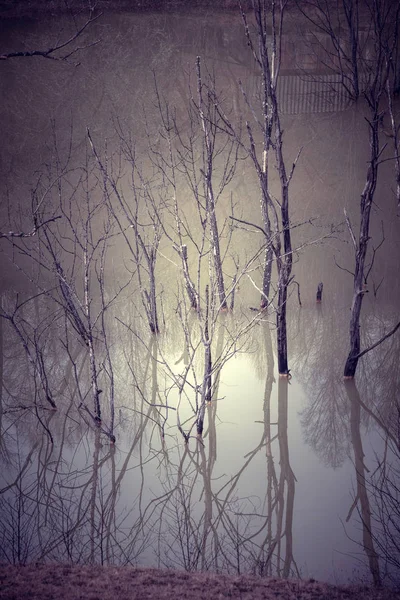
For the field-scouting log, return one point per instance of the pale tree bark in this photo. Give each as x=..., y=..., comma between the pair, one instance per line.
x=209, y=138
x=206, y=392
x=266, y=52
x=190, y=287
x=266, y=203
x=395, y=128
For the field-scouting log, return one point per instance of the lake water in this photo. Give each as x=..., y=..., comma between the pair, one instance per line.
x=287, y=479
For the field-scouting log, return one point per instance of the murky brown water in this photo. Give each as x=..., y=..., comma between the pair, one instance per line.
x=288, y=471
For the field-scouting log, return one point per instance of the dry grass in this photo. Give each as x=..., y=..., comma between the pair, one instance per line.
x=65, y=582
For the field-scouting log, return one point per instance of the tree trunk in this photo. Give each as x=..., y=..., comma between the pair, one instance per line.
x=319, y=292
x=265, y=202
x=351, y=13
x=206, y=394
x=361, y=249
x=190, y=288
x=223, y=305
x=283, y=368
x=267, y=54
x=266, y=277
x=207, y=174
x=153, y=322
x=352, y=359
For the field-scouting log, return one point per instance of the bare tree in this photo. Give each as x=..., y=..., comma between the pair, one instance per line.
x=394, y=125
x=72, y=253
x=385, y=39
x=211, y=131
x=341, y=23
x=199, y=160
x=266, y=51
x=30, y=334
x=142, y=238
x=364, y=39
x=169, y=156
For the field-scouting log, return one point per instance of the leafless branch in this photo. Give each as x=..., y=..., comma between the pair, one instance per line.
x=379, y=342
x=32, y=233
x=51, y=52
x=350, y=228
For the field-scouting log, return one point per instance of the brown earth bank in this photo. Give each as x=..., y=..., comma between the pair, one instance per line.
x=89, y=582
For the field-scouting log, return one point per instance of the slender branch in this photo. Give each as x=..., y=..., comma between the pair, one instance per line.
x=350, y=228
x=250, y=224
x=385, y=337
x=21, y=234
x=343, y=268
x=49, y=52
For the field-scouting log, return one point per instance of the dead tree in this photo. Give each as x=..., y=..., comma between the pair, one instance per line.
x=394, y=126
x=365, y=39
x=167, y=156
x=384, y=41
x=210, y=133
x=71, y=252
x=142, y=238
x=361, y=245
x=195, y=160
x=341, y=25
x=319, y=292
x=213, y=177
x=261, y=163
x=267, y=56
x=206, y=392
x=360, y=34
x=31, y=335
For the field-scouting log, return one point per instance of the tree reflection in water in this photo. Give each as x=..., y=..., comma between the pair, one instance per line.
x=334, y=422
x=152, y=498
x=155, y=500
x=362, y=498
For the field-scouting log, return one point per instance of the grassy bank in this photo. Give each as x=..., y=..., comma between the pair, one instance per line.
x=66, y=582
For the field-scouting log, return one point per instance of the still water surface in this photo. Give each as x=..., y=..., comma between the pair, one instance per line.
x=286, y=473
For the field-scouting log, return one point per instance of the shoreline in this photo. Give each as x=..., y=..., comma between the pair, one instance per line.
x=92, y=582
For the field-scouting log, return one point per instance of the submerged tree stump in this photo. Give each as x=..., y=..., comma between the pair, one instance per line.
x=319, y=292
